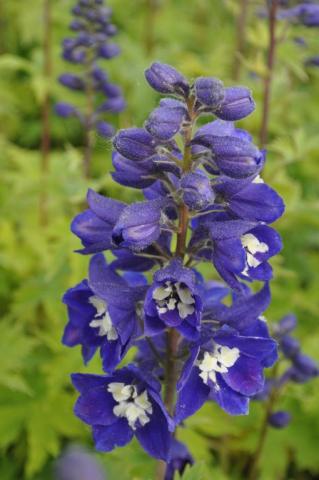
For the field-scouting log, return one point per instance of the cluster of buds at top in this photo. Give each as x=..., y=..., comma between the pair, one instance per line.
x=93, y=27
x=297, y=368
x=204, y=202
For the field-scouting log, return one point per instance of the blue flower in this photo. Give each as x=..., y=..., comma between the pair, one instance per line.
x=173, y=301
x=94, y=226
x=122, y=405
x=228, y=369
x=102, y=314
x=139, y=225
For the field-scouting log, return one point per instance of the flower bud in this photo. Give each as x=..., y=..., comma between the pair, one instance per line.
x=134, y=143
x=209, y=91
x=113, y=105
x=74, y=82
x=132, y=174
x=65, y=110
x=233, y=156
x=104, y=129
x=237, y=104
x=289, y=346
x=165, y=79
x=279, y=419
x=111, y=90
x=166, y=121
x=306, y=365
x=287, y=324
x=109, y=50
x=197, y=191
x=179, y=458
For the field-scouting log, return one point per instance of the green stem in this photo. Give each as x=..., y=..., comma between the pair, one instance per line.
x=273, y=397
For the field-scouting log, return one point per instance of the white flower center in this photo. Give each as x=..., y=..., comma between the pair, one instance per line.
x=174, y=295
x=252, y=246
x=130, y=405
x=219, y=361
x=102, y=319
x=258, y=179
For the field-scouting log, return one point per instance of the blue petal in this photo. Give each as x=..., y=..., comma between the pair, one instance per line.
x=155, y=437
x=232, y=402
x=191, y=397
x=246, y=376
x=95, y=407
x=116, y=435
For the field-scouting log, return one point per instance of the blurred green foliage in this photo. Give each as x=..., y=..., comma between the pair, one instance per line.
x=37, y=263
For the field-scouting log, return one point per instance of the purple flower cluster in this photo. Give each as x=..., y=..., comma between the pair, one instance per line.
x=299, y=368
x=204, y=201
x=93, y=27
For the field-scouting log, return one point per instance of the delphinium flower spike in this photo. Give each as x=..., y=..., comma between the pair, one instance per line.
x=91, y=44
x=204, y=201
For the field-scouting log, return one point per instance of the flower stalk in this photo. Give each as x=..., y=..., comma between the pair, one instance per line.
x=271, y=57
x=241, y=26
x=46, y=127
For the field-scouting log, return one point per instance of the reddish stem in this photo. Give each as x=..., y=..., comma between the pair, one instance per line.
x=241, y=24
x=269, y=76
x=46, y=126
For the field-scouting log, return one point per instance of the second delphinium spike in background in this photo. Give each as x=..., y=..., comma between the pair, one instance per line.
x=92, y=42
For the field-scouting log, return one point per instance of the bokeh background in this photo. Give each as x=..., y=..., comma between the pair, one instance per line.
x=37, y=262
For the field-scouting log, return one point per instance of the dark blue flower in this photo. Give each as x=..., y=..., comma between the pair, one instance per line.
x=227, y=369
x=94, y=226
x=249, y=200
x=102, y=314
x=122, y=405
x=139, y=225
x=173, y=301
